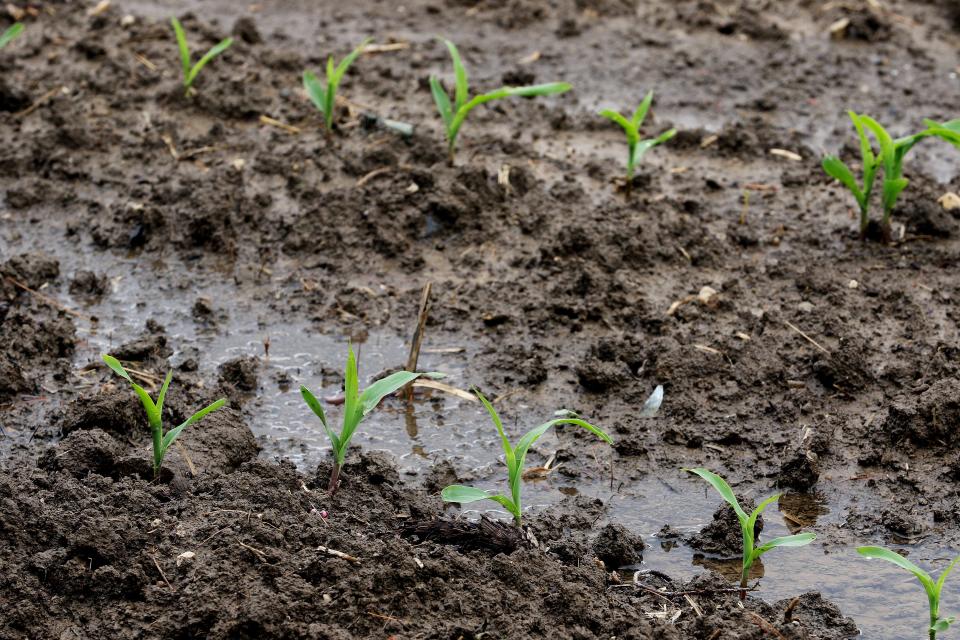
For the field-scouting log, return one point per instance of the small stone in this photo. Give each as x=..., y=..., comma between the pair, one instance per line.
x=185, y=558
x=806, y=306
x=156, y=523
x=127, y=20
x=949, y=201
x=853, y=284
x=708, y=296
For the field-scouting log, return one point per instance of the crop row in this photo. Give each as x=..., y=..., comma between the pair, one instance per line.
x=357, y=404
x=888, y=154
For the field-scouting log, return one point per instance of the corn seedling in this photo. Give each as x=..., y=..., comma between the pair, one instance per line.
x=933, y=588
x=515, y=459
x=161, y=441
x=325, y=99
x=455, y=112
x=890, y=156
x=356, y=405
x=636, y=148
x=190, y=70
x=10, y=34
x=751, y=550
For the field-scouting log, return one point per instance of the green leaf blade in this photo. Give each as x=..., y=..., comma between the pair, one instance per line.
x=641, y=113
x=836, y=169
x=442, y=100
x=798, y=540
x=465, y=495
x=315, y=91
x=115, y=365
x=462, y=85
x=171, y=435
x=317, y=409
x=723, y=489
x=946, y=572
x=219, y=48
x=893, y=557
x=377, y=391
x=163, y=392
x=498, y=423
x=184, y=49
x=346, y=62
x=10, y=34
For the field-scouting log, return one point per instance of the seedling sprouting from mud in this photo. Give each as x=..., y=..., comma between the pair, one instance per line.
x=356, y=405
x=161, y=441
x=636, y=148
x=933, y=588
x=515, y=459
x=454, y=113
x=890, y=156
x=190, y=70
x=12, y=32
x=325, y=99
x=751, y=550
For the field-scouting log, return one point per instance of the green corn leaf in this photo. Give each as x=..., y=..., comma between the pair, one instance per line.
x=949, y=131
x=942, y=624
x=887, y=150
x=503, y=92
x=314, y=89
x=163, y=392
x=752, y=520
x=723, y=489
x=651, y=407
x=442, y=100
x=373, y=394
x=347, y=61
x=465, y=495
x=317, y=409
x=866, y=149
x=836, y=169
x=505, y=443
x=351, y=385
x=897, y=559
x=219, y=48
x=462, y=91
x=641, y=113
x=645, y=145
x=153, y=413
x=891, y=191
x=943, y=576
x=184, y=48
x=114, y=364
x=12, y=32
x=534, y=434
x=171, y=435
x=546, y=89
x=798, y=540
x=627, y=126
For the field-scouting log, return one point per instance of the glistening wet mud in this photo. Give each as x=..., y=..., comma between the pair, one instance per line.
x=195, y=233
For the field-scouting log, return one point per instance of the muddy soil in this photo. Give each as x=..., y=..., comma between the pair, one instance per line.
x=815, y=363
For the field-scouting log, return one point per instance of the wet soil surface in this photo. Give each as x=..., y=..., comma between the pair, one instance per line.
x=190, y=234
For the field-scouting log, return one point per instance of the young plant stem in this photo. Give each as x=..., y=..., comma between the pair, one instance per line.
x=157, y=455
x=334, y=478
